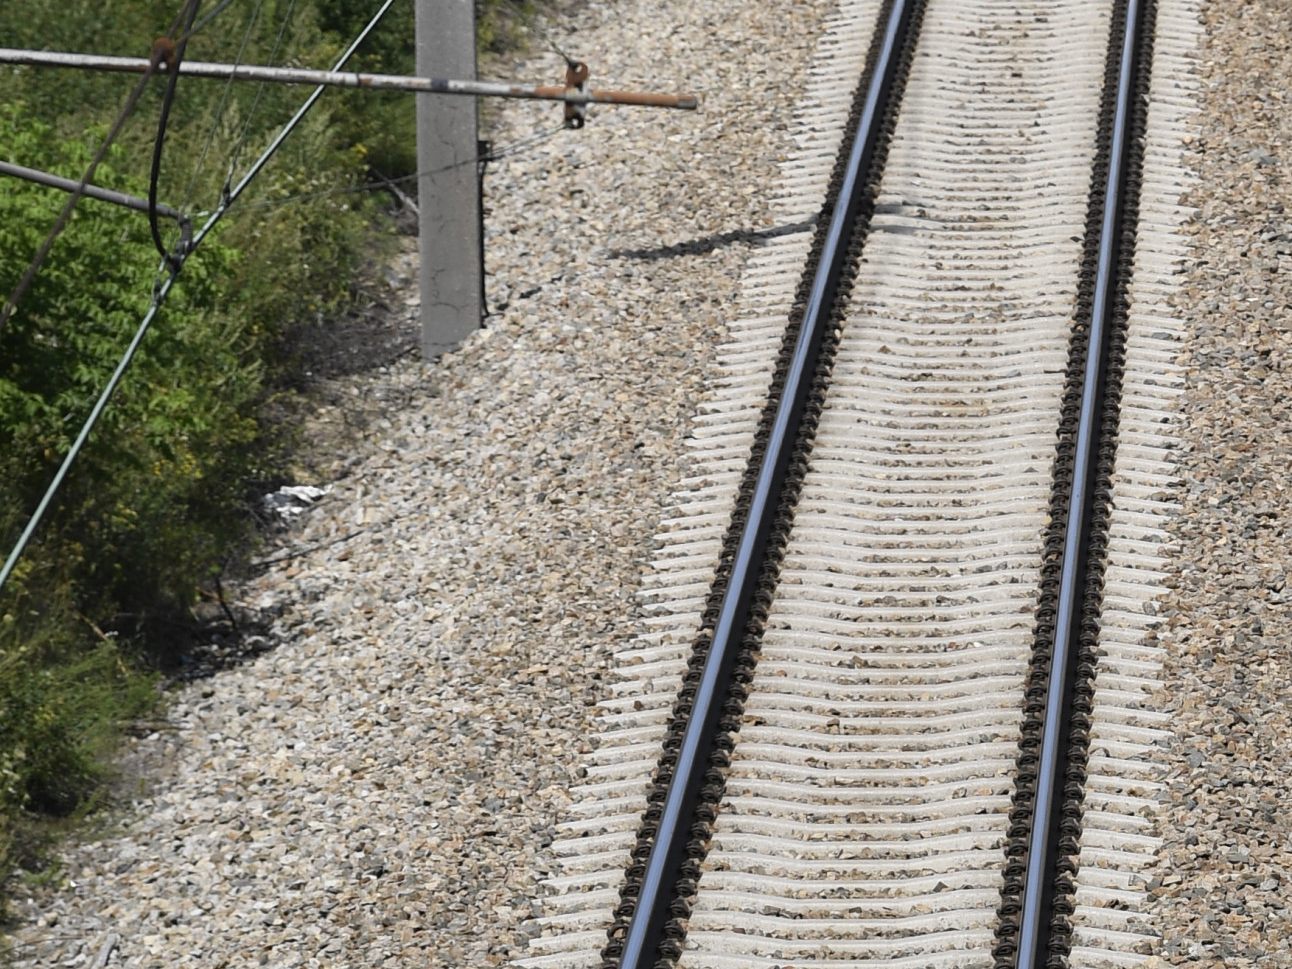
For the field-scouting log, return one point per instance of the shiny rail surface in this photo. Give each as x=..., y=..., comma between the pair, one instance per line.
x=1087, y=504
x=868, y=805
x=658, y=890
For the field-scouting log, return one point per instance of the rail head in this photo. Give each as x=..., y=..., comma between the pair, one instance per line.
x=664, y=866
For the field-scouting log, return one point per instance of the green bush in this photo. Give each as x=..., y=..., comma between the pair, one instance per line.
x=159, y=498
x=154, y=502
x=61, y=717
x=177, y=422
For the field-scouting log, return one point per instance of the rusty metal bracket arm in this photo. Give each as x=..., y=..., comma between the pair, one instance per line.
x=577, y=94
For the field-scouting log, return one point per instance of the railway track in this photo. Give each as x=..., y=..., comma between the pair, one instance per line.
x=895, y=705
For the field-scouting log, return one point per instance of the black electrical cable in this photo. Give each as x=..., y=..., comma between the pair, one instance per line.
x=173, y=58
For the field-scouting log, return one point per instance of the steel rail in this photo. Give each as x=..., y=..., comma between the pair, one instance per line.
x=1036, y=913
x=668, y=851
x=350, y=79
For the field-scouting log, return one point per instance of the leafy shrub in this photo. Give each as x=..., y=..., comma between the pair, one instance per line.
x=159, y=498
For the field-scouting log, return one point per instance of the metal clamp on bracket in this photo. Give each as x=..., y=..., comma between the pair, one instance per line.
x=576, y=80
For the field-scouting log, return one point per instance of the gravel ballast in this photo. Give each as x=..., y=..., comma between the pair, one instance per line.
x=378, y=788
x=1222, y=891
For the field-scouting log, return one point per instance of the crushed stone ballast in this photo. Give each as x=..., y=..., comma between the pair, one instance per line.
x=845, y=740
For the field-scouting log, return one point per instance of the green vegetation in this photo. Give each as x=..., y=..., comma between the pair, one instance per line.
x=160, y=498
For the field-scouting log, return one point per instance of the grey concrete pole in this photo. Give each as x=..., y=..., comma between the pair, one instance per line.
x=448, y=188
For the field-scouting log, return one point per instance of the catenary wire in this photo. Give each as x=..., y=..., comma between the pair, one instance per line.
x=207, y=17
x=532, y=24
x=253, y=19
x=496, y=154
x=236, y=153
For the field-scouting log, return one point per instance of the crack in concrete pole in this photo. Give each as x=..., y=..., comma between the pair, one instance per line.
x=451, y=272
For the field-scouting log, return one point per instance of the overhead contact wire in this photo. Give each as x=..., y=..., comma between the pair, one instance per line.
x=236, y=153
x=542, y=31
x=253, y=18
x=207, y=17
x=495, y=154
